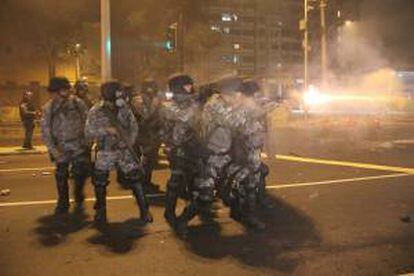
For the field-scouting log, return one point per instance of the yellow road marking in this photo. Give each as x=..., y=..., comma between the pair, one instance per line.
x=346, y=164
x=346, y=180
x=281, y=186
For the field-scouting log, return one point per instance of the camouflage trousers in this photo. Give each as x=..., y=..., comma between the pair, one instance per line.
x=120, y=159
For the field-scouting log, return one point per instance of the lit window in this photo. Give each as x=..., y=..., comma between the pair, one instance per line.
x=236, y=46
x=226, y=30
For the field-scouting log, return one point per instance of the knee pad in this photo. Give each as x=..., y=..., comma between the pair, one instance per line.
x=101, y=178
x=126, y=180
x=81, y=169
x=203, y=190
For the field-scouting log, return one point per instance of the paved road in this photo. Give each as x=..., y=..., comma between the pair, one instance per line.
x=335, y=215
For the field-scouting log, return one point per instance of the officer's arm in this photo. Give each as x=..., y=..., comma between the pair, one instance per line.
x=46, y=129
x=25, y=110
x=83, y=108
x=94, y=127
x=134, y=129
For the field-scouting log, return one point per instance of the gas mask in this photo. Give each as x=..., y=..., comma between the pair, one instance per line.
x=121, y=99
x=64, y=93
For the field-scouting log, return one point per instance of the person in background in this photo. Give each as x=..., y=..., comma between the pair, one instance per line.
x=28, y=115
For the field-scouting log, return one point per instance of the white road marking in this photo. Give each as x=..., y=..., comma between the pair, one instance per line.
x=281, y=186
x=53, y=201
x=26, y=169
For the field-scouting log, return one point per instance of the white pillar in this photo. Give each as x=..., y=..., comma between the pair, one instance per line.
x=106, y=70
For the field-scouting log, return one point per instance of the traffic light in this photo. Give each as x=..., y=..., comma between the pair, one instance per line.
x=172, y=35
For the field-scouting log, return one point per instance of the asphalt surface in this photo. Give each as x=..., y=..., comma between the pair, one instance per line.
x=331, y=218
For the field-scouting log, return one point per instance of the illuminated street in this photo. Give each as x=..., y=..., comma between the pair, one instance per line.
x=195, y=137
x=334, y=219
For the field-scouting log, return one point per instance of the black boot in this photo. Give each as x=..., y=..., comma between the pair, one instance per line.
x=249, y=217
x=142, y=203
x=181, y=227
x=235, y=210
x=78, y=193
x=63, y=193
x=170, y=205
x=100, y=205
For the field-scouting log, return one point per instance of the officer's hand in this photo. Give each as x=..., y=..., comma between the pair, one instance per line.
x=112, y=131
x=55, y=155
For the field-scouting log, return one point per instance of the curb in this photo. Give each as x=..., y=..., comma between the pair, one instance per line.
x=22, y=152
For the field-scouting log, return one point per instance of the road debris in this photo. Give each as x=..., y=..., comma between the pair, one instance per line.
x=406, y=219
x=314, y=195
x=5, y=192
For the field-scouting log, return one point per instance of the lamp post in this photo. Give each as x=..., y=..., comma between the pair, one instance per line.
x=324, y=48
x=304, y=27
x=78, y=53
x=106, y=70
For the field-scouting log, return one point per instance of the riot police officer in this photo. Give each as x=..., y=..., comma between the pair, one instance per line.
x=112, y=125
x=149, y=140
x=180, y=117
x=82, y=92
x=62, y=127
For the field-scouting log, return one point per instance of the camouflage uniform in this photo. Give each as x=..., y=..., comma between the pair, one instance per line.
x=113, y=152
x=63, y=133
x=230, y=164
x=180, y=137
x=180, y=117
x=256, y=108
x=149, y=141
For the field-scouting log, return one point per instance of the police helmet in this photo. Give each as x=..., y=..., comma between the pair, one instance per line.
x=58, y=83
x=177, y=83
x=81, y=86
x=109, y=90
x=149, y=87
x=249, y=87
x=230, y=84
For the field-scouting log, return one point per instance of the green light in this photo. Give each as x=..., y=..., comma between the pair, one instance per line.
x=108, y=46
x=169, y=45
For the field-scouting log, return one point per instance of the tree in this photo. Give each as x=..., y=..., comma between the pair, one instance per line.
x=50, y=27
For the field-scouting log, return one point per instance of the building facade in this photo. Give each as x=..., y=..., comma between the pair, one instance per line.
x=259, y=38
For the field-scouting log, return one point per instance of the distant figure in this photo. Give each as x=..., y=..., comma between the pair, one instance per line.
x=27, y=116
x=82, y=92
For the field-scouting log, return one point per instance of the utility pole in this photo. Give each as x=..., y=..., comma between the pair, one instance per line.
x=106, y=70
x=305, y=27
x=78, y=53
x=181, y=34
x=324, y=48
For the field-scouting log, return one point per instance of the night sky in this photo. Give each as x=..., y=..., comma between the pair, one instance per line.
x=389, y=22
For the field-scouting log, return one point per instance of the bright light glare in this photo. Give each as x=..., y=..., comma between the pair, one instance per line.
x=348, y=23
x=314, y=97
